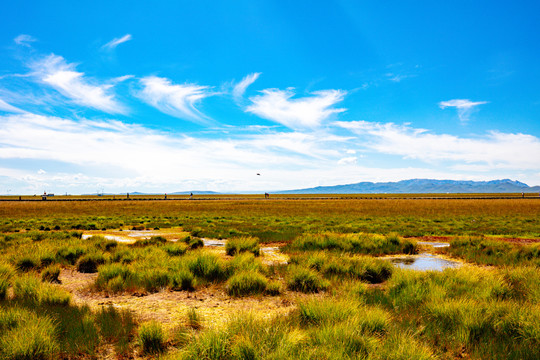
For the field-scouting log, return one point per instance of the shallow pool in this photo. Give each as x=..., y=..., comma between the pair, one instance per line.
x=424, y=262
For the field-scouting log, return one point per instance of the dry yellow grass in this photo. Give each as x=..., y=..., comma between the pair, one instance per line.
x=283, y=207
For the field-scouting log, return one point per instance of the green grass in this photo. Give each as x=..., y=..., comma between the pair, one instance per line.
x=194, y=320
x=360, y=243
x=207, y=266
x=25, y=335
x=51, y=274
x=29, y=288
x=246, y=283
x=471, y=312
x=152, y=338
x=332, y=265
x=242, y=244
x=305, y=280
x=89, y=263
x=483, y=250
x=175, y=249
x=116, y=327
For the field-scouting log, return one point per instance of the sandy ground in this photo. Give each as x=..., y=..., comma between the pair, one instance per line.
x=170, y=307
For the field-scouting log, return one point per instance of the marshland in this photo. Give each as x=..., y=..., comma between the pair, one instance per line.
x=248, y=278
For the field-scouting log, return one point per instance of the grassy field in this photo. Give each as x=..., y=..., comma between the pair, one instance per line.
x=283, y=219
x=63, y=295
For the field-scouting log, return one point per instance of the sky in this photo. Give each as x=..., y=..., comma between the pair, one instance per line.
x=249, y=96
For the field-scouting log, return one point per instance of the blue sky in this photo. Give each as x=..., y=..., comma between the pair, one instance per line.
x=177, y=95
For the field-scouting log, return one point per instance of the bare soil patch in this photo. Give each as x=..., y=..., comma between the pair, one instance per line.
x=170, y=307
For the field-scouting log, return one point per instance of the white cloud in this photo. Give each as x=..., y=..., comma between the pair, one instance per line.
x=173, y=99
x=116, y=41
x=130, y=157
x=24, y=40
x=4, y=106
x=495, y=150
x=125, y=157
x=347, y=160
x=398, y=77
x=307, y=112
x=240, y=88
x=54, y=71
x=121, y=79
x=41, y=172
x=464, y=107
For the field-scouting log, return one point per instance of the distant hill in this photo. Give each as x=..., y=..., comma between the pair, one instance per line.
x=195, y=192
x=421, y=186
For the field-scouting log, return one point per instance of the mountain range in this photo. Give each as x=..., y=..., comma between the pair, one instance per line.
x=421, y=186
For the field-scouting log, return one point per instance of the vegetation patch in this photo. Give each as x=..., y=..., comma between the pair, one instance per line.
x=306, y=280
x=152, y=338
x=360, y=243
x=242, y=244
x=246, y=283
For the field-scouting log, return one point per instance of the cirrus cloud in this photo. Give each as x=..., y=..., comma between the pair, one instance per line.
x=178, y=100
x=240, y=88
x=464, y=107
x=54, y=71
x=24, y=40
x=116, y=41
x=296, y=113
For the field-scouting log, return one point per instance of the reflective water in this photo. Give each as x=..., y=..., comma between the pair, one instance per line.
x=123, y=239
x=434, y=244
x=424, y=262
x=213, y=242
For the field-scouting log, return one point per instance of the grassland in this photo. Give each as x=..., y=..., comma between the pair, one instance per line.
x=62, y=296
x=282, y=219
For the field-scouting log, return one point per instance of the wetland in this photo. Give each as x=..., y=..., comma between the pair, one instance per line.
x=255, y=279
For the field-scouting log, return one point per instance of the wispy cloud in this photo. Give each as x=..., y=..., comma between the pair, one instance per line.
x=24, y=40
x=240, y=88
x=398, y=77
x=4, y=106
x=464, y=107
x=110, y=153
x=116, y=41
x=54, y=71
x=231, y=162
x=121, y=79
x=306, y=112
x=494, y=150
x=173, y=99
x=347, y=160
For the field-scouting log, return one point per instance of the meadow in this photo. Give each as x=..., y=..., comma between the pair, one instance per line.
x=68, y=291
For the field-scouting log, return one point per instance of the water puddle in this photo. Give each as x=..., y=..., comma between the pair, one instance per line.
x=213, y=242
x=434, y=244
x=270, y=255
x=424, y=262
x=131, y=236
x=122, y=239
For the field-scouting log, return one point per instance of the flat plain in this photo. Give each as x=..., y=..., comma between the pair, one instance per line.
x=243, y=277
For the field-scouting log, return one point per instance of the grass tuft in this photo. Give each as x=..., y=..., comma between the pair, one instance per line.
x=51, y=274
x=152, y=338
x=90, y=262
x=242, y=244
x=246, y=283
x=305, y=280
